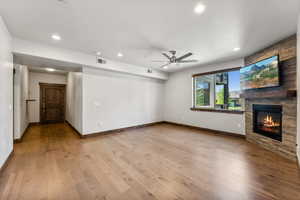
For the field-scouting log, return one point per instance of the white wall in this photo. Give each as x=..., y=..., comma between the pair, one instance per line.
x=298, y=88
x=114, y=100
x=6, y=94
x=74, y=100
x=178, y=101
x=21, y=120
x=34, y=91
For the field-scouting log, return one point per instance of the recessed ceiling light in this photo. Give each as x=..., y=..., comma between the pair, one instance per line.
x=120, y=54
x=56, y=37
x=237, y=49
x=50, y=69
x=199, y=8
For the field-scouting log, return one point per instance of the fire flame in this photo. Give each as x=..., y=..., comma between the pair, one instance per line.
x=269, y=122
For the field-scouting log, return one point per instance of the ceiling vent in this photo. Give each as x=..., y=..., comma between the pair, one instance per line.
x=101, y=61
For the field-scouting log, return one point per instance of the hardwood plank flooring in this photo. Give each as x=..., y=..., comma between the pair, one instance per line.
x=160, y=162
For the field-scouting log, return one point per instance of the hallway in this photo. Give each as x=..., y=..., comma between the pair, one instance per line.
x=158, y=162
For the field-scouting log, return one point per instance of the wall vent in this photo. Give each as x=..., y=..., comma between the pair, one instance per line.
x=101, y=61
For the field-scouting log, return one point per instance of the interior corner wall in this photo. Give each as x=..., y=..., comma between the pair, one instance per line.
x=21, y=120
x=74, y=100
x=6, y=94
x=34, y=91
x=298, y=88
x=116, y=100
x=179, y=100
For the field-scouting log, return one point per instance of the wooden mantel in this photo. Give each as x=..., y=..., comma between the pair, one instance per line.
x=278, y=93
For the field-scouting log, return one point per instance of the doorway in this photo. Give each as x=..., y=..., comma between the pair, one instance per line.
x=52, y=103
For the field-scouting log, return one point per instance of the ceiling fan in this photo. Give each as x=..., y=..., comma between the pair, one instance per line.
x=172, y=58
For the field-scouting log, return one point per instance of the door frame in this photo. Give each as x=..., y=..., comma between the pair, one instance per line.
x=44, y=85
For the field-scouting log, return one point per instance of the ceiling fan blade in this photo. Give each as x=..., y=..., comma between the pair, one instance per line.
x=187, y=61
x=183, y=57
x=165, y=65
x=167, y=56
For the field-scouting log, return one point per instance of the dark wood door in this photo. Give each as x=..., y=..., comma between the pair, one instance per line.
x=52, y=103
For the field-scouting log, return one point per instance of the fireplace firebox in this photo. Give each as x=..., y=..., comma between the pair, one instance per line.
x=267, y=121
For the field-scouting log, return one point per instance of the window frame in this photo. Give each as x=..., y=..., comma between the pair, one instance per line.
x=211, y=108
x=211, y=98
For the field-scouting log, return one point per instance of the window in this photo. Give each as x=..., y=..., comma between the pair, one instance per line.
x=234, y=100
x=218, y=90
x=203, y=87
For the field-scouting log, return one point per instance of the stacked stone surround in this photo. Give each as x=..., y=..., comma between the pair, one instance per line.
x=287, y=51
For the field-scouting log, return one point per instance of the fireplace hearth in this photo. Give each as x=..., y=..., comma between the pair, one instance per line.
x=267, y=121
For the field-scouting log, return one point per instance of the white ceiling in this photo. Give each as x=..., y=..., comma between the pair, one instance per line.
x=142, y=29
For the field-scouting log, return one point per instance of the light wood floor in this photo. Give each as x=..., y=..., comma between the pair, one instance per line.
x=159, y=162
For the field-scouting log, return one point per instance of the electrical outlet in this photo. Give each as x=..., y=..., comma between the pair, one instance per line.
x=182, y=118
x=97, y=103
x=99, y=124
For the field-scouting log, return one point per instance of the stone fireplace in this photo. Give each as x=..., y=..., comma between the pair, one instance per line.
x=267, y=121
x=271, y=113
